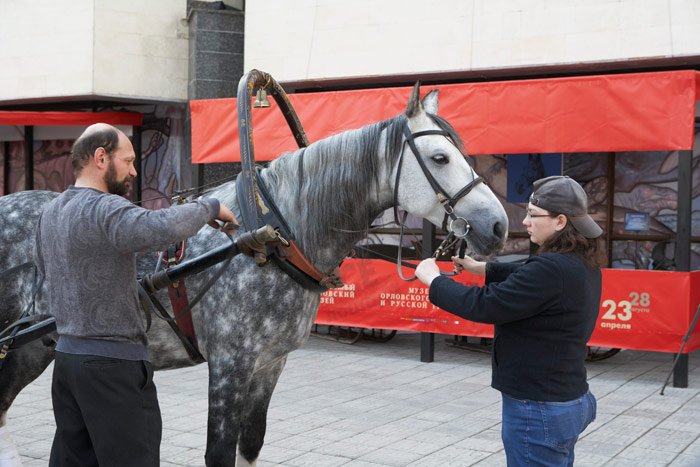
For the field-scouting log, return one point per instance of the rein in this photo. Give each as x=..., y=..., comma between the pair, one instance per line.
x=450, y=240
x=178, y=194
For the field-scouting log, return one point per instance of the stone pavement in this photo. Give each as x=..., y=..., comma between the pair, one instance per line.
x=375, y=404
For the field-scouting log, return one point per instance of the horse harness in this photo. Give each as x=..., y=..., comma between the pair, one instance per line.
x=292, y=260
x=459, y=226
x=286, y=254
x=256, y=204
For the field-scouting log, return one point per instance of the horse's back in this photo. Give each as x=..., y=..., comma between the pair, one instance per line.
x=19, y=213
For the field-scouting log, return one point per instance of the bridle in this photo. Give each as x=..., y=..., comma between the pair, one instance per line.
x=458, y=227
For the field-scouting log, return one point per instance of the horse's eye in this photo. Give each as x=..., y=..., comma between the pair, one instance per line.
x=440, y=159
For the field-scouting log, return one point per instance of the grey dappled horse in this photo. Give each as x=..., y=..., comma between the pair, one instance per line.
x=254, y=316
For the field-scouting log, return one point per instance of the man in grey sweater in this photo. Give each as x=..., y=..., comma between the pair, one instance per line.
x=104, y=399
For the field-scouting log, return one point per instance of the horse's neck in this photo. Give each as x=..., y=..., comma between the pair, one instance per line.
x=327, y=215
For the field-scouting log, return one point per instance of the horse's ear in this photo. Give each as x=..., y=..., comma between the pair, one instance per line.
x=430, y=102
x=414, y=105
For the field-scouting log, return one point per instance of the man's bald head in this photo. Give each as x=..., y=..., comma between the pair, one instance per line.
x=99, y=135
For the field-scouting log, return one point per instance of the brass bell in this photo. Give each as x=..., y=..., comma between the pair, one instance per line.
x=261, y=100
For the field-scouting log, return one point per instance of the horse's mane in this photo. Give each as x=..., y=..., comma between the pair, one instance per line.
x=330, y=184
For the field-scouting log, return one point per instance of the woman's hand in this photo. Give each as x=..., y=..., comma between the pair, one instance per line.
x=469, y=264
x=427, y=270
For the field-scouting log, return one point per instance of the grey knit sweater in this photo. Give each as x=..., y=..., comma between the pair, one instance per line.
x=86, y=242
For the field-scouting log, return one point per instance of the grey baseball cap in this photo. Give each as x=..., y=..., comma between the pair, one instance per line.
x=563, y=195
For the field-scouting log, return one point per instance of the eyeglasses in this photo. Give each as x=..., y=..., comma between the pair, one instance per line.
x=529, y=215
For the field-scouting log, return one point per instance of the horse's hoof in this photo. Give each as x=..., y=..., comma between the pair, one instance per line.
x=9, y=457
x=241, y=461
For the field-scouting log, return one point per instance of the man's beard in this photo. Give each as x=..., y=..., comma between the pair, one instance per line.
x=115, y=187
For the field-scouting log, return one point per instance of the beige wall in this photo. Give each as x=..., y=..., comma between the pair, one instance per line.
x=141, y=49
x=64, y=48
x=46, y=48
x=312, y=39
x=138, y=49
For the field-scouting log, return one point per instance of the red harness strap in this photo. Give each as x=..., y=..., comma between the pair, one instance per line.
x=178, y=294
x=301, y=262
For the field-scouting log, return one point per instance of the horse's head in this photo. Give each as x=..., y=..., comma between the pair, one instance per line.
x=434, y=179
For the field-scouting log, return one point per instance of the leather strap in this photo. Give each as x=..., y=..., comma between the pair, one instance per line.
x=177, y=292
x=301, y=262
x=149, y=303
x=290, y=258
x=179, y=301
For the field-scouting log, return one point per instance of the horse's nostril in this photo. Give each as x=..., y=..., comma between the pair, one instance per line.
x=498, y=230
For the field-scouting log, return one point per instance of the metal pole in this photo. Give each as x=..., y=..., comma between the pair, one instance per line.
x=685, y=181
x=427, y=339
x=680, y=355
x=161, y=279
x=6, y=168
x=28, y=157
x=137, y=143
x=611, y=207
x=197, y=176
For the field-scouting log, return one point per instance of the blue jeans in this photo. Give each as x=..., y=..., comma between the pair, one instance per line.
x=544, y=433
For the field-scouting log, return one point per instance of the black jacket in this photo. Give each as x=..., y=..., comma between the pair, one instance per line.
x=544, y=313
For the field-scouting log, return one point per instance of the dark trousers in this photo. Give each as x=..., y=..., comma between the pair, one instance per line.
x=106, y=412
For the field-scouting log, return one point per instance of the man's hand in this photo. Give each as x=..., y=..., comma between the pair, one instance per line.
x=230, y=224
x=469, y=264
x=427, y=270
x=225, y=215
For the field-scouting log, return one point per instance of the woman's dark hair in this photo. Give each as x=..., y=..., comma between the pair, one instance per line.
x=87, y=143
x=570, y=240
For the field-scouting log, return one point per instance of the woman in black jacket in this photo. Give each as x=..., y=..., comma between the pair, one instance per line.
x=544, y=312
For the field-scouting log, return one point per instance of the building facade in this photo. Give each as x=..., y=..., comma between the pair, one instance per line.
x=154, y=56
x=111, y=55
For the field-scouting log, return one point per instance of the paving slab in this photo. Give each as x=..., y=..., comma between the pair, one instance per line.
x=375, y=404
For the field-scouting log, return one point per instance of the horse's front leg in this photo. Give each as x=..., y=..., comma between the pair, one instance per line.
x=254, y=421
x=229, y=378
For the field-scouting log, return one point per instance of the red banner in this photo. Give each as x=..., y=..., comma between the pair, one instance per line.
x=626, y=112
x=69, y=118
x=641, y=310
x=375, y=297
x=645, y=310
